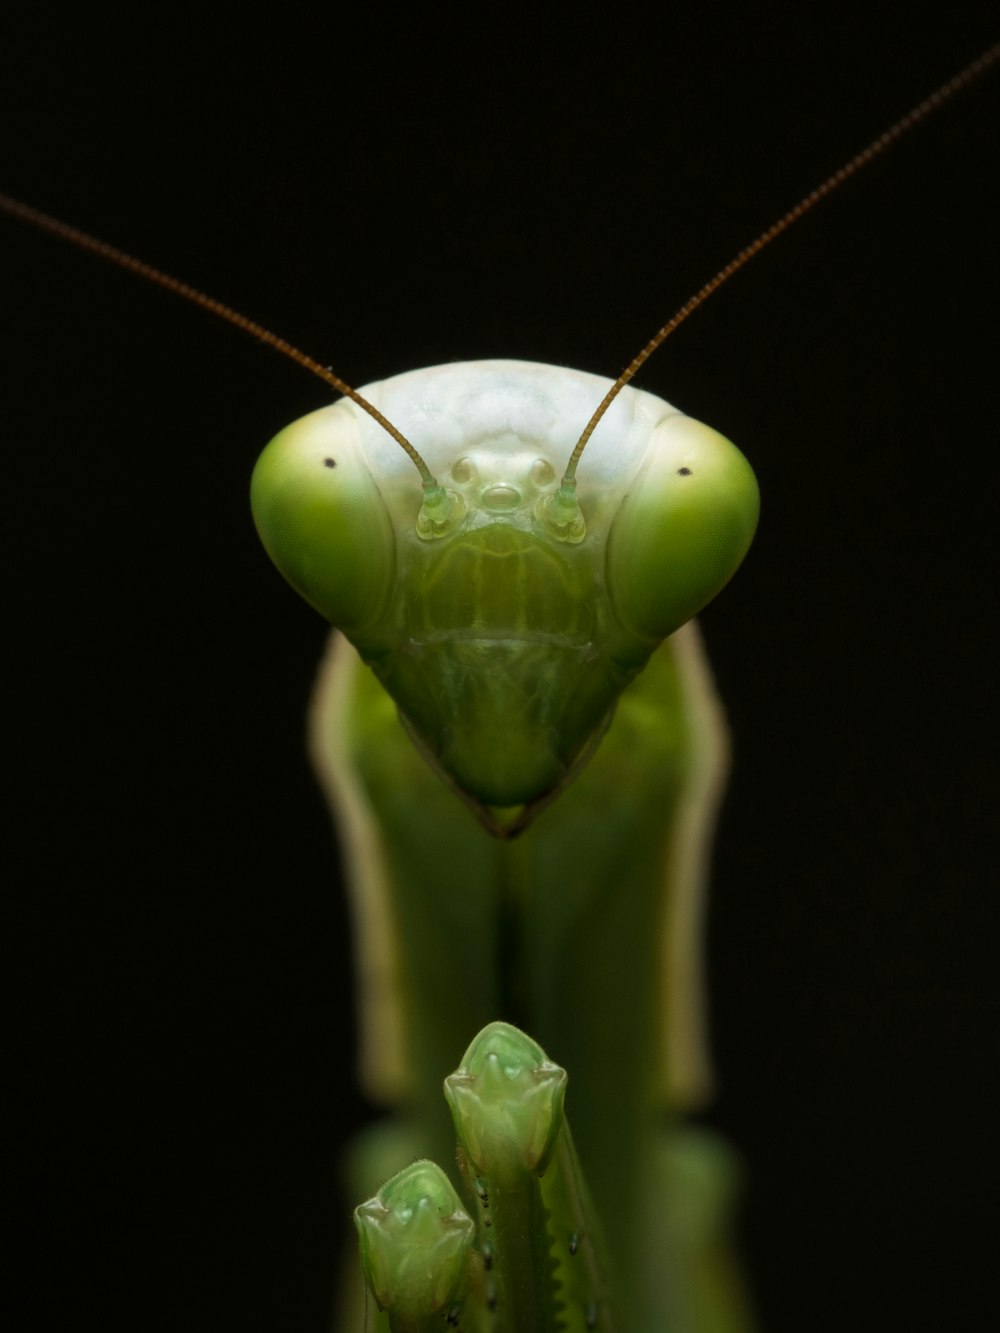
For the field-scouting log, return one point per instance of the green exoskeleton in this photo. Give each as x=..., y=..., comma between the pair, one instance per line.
x=528, y=845
x=509, y=639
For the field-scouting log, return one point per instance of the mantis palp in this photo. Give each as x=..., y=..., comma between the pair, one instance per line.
x=228, y=678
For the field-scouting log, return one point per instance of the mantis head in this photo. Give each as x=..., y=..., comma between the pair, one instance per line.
x=505, y=627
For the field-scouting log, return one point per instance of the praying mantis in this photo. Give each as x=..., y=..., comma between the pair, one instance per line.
x=126, y=676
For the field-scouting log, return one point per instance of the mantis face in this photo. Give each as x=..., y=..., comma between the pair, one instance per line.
x=504, y=635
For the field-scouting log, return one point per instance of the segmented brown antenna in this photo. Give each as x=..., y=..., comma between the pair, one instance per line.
x=84, y=241
x=849, y=169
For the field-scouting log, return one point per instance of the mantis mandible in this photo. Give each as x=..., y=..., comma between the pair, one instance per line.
x=292, y=691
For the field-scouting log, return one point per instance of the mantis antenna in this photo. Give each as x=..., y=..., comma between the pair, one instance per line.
x=84, y=241
x=833, y=182
x=561, y=509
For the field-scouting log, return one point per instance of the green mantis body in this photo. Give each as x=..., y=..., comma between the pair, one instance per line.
x=770, y=1006
x=572, y=906
x=534, y=929
x=499, y=631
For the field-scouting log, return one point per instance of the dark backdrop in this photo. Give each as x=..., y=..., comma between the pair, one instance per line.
x=545, y=188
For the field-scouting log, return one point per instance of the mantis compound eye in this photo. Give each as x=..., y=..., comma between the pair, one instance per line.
x=682, y=529
x=323, y=520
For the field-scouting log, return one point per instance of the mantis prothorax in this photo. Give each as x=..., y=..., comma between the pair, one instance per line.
x=512, y=987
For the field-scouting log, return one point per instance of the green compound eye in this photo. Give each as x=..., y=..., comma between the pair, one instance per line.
x=321, y=516
x=682, y=529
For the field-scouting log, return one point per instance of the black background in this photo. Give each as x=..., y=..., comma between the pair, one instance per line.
x=546, y=186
